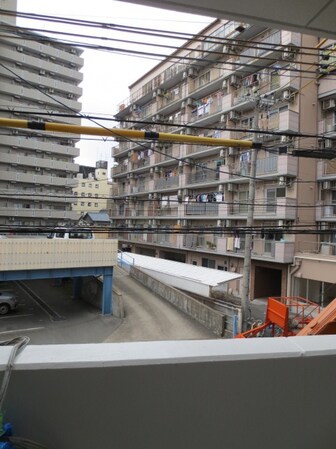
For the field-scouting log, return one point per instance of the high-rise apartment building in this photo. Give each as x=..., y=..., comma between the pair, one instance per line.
x=39, y=77
x=234, y=81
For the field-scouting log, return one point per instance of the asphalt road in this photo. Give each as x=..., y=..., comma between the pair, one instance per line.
x=149, y=317
x=53, y=317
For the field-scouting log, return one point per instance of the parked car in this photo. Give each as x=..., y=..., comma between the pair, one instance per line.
x=8, y=302
x=73, y=233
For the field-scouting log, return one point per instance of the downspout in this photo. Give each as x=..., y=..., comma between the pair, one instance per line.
x=292, y=269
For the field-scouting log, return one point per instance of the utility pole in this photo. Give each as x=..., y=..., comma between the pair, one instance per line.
x=245, y=299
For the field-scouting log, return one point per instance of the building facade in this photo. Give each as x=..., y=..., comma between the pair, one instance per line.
x=93, y=190
x=233, y=81
x=39, y=77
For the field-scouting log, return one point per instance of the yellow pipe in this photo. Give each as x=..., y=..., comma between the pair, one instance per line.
x=127, y=133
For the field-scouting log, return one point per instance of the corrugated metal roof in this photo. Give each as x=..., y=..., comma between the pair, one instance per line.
x=206, y=276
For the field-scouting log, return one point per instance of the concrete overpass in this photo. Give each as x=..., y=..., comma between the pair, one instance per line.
x=24, y=258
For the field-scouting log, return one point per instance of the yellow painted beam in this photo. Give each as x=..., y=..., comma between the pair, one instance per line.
x=125, y=133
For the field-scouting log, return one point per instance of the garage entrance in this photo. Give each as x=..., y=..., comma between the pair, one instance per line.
x=267, y=282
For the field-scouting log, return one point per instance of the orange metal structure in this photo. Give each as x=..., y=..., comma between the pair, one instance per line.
x=285, y=316
x=323, y=324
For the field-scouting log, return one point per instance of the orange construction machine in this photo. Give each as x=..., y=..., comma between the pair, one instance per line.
x=293, y=315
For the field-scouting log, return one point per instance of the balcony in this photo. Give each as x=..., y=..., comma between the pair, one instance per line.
x=39, y=145
x=32, y=178
x=203, y=177
x=281, y=209
x=166, y=183
x=326, y=169
x=40, y=213
x=262, y=249
x=326, y=211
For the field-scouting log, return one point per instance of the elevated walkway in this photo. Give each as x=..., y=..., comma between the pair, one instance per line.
x=24, y=258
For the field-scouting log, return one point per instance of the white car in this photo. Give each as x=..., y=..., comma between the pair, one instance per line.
x=8, y=302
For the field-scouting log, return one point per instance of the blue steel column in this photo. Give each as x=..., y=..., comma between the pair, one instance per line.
x=107, y=292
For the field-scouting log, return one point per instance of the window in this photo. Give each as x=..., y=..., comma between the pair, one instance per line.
x=82, y=204
x=89, y=204
x=83, y=184
x=90, y=185
x=82, y=194
x=95, y=204
x=97, y=186
x=271, y=200
x=242, y=199
x=76, y=193
x=89, y=194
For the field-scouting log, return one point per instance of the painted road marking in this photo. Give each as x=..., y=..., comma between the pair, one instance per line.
x=22, y=330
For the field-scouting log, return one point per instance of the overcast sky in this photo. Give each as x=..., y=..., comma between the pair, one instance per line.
x=107, y=75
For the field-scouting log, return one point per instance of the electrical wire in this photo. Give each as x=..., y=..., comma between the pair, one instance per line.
x=17, y=343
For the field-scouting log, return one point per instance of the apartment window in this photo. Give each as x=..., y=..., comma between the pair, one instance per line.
x=82, y=204
x=242, y=200
x=83, y=184
x=204, y=79
x=96, y=195
x=95, y=204
x=271, y=195
x=89, y=204
x=82, y=194
x=89, y=194
x=208, y=263
x=97, y=186
x=90, y=185
x=75, y=193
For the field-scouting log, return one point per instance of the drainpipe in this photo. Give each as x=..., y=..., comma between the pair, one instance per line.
x=292, y=269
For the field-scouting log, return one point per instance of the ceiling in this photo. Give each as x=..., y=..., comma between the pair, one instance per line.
x=307, y=16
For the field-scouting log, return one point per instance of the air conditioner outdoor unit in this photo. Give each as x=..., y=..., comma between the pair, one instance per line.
x=42, y=72
x=225, y=84
x=70, y=95
x=288, y=53
x=51, y=91
x=328, y=143
x=326, y=185
x=192, y=73
x=233, y=80
x=19, y=48
x=286, y=95
x=231, y=187
x=281, y=223
x=223, y=118
x=158, y=117
x=233, y=151
x=233, y=115
x=160, y=92
x=282, y=181
x=228, y=223
x=190, y=102
x=183, y=104
x=329, y=104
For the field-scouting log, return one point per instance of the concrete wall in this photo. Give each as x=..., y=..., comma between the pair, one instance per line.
x=233, y=394
x=92, y=290
x=39, y=254
x=213, y=320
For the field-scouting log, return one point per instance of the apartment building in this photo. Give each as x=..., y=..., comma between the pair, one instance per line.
x=38, y=78
x=229, y=81
x=93, y=190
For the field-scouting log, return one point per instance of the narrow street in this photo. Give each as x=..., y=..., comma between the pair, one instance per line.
x=149, y=317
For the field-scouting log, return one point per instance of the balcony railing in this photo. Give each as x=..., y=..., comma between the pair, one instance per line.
x=166, y=183
x=202, y=177
x=201, y=209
